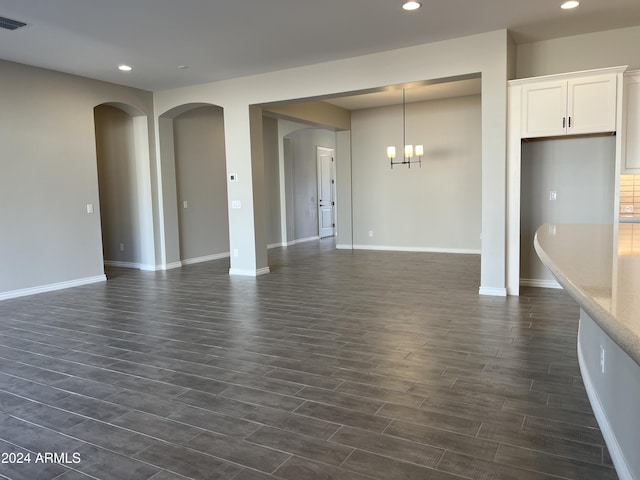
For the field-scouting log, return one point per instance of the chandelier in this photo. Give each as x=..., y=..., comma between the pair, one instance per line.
x=409, y=150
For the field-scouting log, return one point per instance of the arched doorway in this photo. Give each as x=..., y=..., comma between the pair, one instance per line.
x=122, y=152
x=193, y=153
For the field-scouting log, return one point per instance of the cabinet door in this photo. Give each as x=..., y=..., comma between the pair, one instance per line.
x=544, y=107
x=632, y=124
x=591, y=106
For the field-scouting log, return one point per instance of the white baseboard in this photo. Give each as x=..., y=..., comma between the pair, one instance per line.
x=303, y=240
x=394, y=248
x=117, y=264
x=150, y=268
x=52, y=287
x=172, y=265
x=344, y=246
x=622, y=468
x=493, y=291
x=206, y=258
x=136, y=266
x=276, y=245
x=249, y=273
x=533, y=282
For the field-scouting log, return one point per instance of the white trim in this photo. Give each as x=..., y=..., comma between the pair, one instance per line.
x=150, y=268
x=205, y=258
x=249, y=273
x=565, y=76
x=513, y=292
x=622, y=468
x=117, y=264
x=263, y=271
x=415, y=249
x=534, y=282
x=303, y=240
x=344, y=246
x=276, y=245
x=172, y=265
x=493, y=291
x=52, y=287
x=136, y=266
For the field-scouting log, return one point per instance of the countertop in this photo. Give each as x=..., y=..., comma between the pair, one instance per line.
x=599, y=266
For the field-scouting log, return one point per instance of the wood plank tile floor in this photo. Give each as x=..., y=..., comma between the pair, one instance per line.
x=337, y=365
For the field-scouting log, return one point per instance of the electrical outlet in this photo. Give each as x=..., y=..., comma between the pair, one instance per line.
x=371, y=233
x=602, y=357
x=122, y=247
x=235, y=252
x=553, y=195
x=627, y=208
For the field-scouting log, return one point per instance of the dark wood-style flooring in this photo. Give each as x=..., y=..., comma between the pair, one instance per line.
x=337, y=365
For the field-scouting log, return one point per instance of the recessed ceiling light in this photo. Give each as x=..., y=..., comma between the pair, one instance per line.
x=124, y=68
x=411, y=5
x=569, y=5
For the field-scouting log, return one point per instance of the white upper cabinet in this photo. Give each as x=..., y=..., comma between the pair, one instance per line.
x=631, y=123
x=569, y=107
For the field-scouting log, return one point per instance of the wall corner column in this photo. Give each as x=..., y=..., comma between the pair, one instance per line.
x=247, y=215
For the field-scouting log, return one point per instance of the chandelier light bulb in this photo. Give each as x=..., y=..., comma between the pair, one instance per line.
x=408, y=151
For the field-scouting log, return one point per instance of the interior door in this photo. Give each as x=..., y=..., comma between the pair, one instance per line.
x=326, y=196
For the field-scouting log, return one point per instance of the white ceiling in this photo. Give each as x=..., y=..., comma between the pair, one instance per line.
x=220, y=39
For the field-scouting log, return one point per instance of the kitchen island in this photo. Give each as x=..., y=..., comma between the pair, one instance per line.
x=599, y=266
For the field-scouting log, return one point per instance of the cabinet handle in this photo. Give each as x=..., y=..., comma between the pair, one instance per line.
x=569, y=122
x=564, y=122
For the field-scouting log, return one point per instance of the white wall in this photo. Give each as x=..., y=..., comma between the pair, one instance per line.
x=580, y=52
x=436, y=207
x=48, y=175
x=201, y=182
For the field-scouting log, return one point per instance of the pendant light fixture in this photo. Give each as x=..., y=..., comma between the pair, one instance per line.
x=409, y=151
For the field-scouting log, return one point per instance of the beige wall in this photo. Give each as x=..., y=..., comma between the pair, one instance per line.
x=49, y=175
x=433, y=207
x=580, y=52
x=201, y=182
x=272, y=180
x=117, y=180
x=315, y=113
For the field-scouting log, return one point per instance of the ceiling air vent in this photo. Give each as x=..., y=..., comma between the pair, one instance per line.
x=9, y=24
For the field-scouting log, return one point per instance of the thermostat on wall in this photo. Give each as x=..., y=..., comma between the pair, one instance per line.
x=233, y=177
